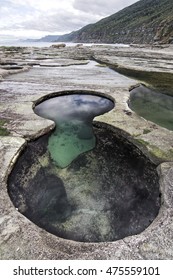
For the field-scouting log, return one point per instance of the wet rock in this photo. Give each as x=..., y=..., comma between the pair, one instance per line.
x=57, y=46
x=17, y=92
x=89, y=200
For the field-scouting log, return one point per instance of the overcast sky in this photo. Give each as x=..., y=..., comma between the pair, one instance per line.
x=37, y=18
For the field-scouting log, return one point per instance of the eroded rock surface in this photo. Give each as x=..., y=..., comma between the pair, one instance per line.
x=103, y=195
x=20, y=238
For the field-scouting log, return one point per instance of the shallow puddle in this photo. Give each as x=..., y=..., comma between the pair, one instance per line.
x=152, y=106
x=73, y=115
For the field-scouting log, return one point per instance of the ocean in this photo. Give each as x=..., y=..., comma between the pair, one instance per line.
x=48, y=44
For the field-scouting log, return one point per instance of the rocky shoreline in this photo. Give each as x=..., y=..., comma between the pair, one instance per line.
x=28, y=74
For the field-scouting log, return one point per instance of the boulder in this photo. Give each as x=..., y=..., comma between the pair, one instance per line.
x=58, y=46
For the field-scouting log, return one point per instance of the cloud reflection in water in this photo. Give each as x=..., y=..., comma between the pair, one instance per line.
x=73, y=115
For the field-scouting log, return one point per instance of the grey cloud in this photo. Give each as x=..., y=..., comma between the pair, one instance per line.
x=11, y=15
x=7, y=6
x=31, y=19
x=71, y=107
x=102, y=7
x=17, y=15
x=4, y=3
x=59, y=22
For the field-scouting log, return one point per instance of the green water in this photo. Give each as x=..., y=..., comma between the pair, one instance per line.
x=152, y=106
x=73, y=115
x=70, y=140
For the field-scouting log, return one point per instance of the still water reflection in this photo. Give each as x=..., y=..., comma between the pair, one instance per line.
x=152, y=106
x=73, y=115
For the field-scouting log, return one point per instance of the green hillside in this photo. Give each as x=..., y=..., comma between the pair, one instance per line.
x=146, y=21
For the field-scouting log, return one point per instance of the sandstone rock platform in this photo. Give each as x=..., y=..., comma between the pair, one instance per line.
x=42, y=71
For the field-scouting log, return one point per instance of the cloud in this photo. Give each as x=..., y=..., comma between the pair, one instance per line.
x=58, y=22
x=25, y=17
x=68, y=108
x=102, y=7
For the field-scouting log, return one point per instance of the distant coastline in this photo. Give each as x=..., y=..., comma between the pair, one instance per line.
x=25, y=44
